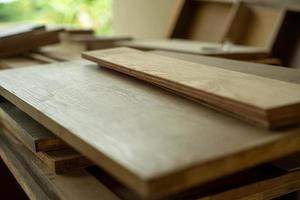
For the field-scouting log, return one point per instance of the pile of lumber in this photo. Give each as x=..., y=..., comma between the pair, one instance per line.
x=23, y=38
x=157, y=140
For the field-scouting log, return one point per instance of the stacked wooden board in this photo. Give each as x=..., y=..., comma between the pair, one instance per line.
x=117, y=121
x=23, y=38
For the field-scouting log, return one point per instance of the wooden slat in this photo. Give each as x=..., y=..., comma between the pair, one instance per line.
x=32, y=134
x=134, y=130
x=28, y=41
x=255, y=182
x=252, y=98
x=12, y=31
x=64, y=161
x=273, y=72
x=39, y=139
x=39, y=183
x=199, y=48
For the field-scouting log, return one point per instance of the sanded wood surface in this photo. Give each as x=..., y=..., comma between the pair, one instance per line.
x=250, y=97
x=31, y=133
x=274, y=72
x=40, y=183
x=155, y=142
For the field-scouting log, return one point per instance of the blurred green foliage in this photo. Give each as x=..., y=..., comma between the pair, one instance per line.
x=94, y=14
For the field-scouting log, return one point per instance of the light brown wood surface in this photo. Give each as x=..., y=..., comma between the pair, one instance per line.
x=17, y=62
x=64, y=161
x=144, y=18
x=155, y=142
x=198, y=48
x=274, y=72
x=250, y=97
x=39, y=182
x=31, y=133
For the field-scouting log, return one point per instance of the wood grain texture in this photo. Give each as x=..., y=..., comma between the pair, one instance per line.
x=250, y=97
x=40, y=183
x=118, y=122
x=31, y=133
x=269, y=71
x=62, y=160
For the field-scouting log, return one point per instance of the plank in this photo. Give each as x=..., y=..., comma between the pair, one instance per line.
x=273, y=72
x=64, y=161
x=117, y=122
x=255, y=182
x=39, y=139
x=148, y=19
x=11, y=31
x=28, y=41
x=31, y=133
x=39, y=183
x=263, y=190
x=199, y=48
x=249, y=97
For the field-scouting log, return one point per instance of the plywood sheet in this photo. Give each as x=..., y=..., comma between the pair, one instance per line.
x=31, y=133
x=144, y=18
x=250, y=97
x=155, y=142
x=198, y=48
x=40, y=183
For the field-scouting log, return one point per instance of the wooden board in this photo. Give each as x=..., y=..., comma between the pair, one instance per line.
x=133, y=129
x=196, y=19
x=199, y=48
x=28, y=41
x=148, y=19
x=15, y=30
x=262, y=27
x=252, y=98
x=64, y=161
x=40, y=183
x=274, y=72
x=255, y=182
x=32, y=134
